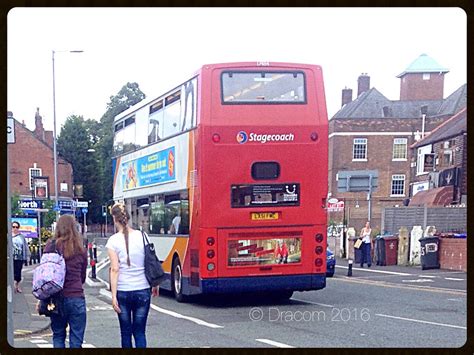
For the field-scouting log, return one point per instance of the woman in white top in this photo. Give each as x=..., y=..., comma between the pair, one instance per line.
x=366, y=246
x=131, y=292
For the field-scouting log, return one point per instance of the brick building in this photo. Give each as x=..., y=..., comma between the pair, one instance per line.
x=440, y=175
x=32, y=155
x=369, y=140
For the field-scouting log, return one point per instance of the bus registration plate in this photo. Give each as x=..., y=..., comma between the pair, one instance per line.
x=261, y=216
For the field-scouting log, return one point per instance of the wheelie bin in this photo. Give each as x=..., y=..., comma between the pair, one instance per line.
x=429, y=252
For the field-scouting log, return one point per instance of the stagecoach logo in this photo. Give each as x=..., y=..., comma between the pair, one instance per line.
x=242, y=137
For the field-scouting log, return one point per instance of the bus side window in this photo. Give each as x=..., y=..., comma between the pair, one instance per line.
x=155, y=122
x=172, y=113
x=157, y=214
x=188, y=109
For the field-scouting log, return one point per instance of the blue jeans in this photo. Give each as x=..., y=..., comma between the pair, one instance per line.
x=73, y=311
x=366, y=257
x=134, y=306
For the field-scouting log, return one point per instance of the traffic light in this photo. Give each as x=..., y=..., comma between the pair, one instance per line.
x=104, y=211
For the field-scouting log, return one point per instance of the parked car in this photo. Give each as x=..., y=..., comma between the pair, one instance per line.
x=331, y=263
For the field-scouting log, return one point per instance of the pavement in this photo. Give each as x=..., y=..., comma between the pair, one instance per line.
x=27, y=322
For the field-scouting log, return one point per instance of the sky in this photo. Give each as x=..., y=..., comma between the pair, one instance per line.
x=159, y=48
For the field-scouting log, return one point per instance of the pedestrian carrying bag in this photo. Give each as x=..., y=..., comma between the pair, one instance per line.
x=358, y=243
x=49, y=275
x=51, y=305
x=153, y=270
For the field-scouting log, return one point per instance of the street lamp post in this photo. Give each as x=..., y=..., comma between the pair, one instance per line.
x=56, y=201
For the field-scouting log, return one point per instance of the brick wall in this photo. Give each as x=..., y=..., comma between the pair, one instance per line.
x=28, y=150
x=453, y=254
x=413, y=87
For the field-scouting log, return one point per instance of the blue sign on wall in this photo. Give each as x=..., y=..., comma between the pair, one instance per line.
x=149, y=170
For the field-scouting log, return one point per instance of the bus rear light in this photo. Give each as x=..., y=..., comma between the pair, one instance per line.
x=314, y=136
x=319, y=237
x=210, y=241
x=211, y=266
x=210, y=254
x=318, y=262
x=216, y=138
x=319, y=249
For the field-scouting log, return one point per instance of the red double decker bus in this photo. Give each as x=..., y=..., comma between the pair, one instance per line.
x=227, y=173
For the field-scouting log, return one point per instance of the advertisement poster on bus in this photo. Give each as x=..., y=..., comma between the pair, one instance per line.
x=156, y=168
x=28, y=226
x=249, y=252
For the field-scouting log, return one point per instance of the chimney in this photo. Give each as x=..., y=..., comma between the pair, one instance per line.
x=39, y=130
x=346, y=96
x=363, y=84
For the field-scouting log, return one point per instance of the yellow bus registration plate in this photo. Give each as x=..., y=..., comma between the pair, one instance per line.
x=261, y=216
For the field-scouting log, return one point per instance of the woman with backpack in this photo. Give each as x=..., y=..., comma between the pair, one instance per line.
x=131, y=292
x=68, y=242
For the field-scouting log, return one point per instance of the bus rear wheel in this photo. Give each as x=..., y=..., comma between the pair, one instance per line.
x=177, y=280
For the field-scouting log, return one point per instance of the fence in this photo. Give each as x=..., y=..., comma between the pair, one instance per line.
x=445, y=219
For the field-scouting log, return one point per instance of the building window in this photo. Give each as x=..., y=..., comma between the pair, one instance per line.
x=398, y=185
x=400, y=149
x=34, y=172
x=423, y=163
x=360, y=149
x=426, y=76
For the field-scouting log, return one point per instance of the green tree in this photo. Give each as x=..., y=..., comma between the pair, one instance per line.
x=76, y=143
x=49, y=217
x=15, y=207
x=129, y=95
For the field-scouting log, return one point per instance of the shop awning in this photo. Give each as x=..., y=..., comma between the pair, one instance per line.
x=440, y=196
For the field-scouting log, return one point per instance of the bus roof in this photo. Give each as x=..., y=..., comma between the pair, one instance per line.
x=236, y=65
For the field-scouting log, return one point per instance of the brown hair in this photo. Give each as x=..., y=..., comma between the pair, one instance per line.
x=121, y=216
x=67, y=236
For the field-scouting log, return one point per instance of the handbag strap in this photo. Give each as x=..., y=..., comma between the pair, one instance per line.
x=145, y=237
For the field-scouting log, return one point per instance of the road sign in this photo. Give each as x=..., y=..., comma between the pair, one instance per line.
x=81, y=204
x=84, y=210
x=10, y=130
x=333, y=200
x=336, y=207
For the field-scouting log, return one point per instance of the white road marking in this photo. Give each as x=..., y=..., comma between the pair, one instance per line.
x=88, y=346
x=421, y=321
x=315, y=303
x=38, y=341
x=418, y=280
x=427, y=276
x=453, y=279
x=45, y=345
x=274, y=343
x=171, y=313
x=376, y=271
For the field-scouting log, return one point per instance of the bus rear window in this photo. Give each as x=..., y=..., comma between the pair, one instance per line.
x=265, y=170
x=263, y=87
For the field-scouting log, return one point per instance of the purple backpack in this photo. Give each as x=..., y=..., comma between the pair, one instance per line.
x=48, y=277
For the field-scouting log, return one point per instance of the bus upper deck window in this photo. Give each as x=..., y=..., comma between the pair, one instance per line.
x=265, y=170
